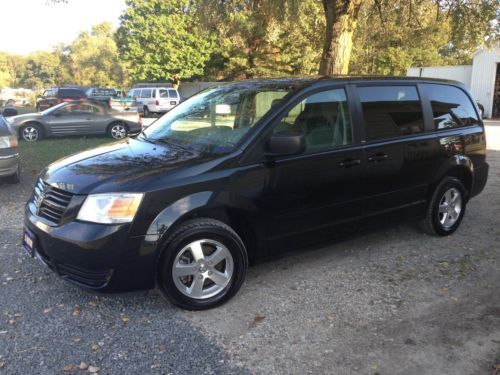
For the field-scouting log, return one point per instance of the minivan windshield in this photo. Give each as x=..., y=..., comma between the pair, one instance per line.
x=215, y=120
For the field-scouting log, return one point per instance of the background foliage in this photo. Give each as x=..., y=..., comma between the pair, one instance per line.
x=233, y=39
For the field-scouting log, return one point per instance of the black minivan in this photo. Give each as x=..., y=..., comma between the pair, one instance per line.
x=252, y=169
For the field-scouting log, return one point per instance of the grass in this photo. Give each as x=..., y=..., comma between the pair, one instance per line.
x=35, y=156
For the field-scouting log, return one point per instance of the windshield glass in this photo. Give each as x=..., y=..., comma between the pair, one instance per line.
x=215, y=120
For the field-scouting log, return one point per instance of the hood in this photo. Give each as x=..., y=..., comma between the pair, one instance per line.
x=130, y=165
x=15, y=120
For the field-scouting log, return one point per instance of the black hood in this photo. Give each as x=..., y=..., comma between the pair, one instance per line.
x=127, y=165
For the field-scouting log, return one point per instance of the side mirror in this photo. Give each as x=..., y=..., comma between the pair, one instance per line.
x=288, y=142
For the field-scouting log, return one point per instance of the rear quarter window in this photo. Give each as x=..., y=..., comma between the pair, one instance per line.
x=391, y=111
x=451, y=107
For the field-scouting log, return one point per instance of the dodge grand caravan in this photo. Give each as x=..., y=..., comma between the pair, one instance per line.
x=248, y=170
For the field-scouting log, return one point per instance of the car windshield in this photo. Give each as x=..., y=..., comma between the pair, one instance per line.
x=216, y=120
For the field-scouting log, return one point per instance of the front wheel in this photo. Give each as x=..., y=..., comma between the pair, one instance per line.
x=31, y=133
x=446, y=208
x=203, y=265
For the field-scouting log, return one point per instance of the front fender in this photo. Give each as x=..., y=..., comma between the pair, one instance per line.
x=166, y=218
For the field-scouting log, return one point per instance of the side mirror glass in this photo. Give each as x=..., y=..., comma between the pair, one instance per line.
x=288, y=142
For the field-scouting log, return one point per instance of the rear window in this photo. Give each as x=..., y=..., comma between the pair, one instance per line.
x=451, y=107
x=391, y=111
x=71, y=93
x=173, y=93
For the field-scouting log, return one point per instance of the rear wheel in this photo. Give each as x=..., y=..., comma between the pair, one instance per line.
x=146, y=112
x=446, y=208
x=203, y=266
x=31, y=132
x=117, y=130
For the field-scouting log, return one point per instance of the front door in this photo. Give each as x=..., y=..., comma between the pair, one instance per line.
x=72, y=119
x=313, y=197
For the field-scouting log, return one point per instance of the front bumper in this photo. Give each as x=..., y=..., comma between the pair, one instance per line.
x=8, y=165
x=98, y=257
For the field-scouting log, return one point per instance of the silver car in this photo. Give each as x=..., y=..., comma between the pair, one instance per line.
x=9, y=154
x=81, y=117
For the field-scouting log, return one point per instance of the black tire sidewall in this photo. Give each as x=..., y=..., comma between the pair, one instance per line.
x=233, y=244
x=445, y=185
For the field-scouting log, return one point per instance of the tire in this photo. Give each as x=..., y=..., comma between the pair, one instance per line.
x=208, y=282
x=146, y=112
x=15, y=178
x=117, y=130
x=446, y=208
x=31, y=132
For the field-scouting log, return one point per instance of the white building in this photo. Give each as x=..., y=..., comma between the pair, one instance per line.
x=482, y=78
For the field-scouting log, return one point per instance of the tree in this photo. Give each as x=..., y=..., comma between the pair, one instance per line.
x=93, y=58
x=42, y=69
x=257, y=38
x=162, y=40
x=470, y=22
x=341, y=20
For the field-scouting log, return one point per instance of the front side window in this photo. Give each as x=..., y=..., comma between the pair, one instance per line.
x=451, y=107
x=391, y=111
x=323, y=118
x=216, y=120
x=70, y=93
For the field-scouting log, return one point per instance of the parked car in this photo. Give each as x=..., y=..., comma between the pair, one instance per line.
x=252, y=169
x=76, y=118
x=112, y=98
x=9, y=112
x=9, y=154
x=54, y=96
x=155, y=99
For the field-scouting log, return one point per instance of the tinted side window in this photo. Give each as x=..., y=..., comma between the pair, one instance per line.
x=451, y=107
x=323, y=118
x=71, y=93
x=391, y=111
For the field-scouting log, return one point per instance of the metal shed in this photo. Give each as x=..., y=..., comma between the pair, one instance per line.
x=482, y=78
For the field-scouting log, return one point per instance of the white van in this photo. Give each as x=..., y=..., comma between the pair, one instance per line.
x=155, y=99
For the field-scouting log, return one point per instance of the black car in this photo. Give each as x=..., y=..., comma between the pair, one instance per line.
x=252, y=169
x=57, y=95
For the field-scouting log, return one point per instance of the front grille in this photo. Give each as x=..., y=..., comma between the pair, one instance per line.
x=50, y=202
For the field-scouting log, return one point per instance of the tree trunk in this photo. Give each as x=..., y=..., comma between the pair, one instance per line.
x=341, y=19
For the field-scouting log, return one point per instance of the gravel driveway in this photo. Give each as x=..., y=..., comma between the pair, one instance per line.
x=390, y=302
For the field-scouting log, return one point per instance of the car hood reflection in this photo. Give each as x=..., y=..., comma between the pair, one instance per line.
x=127, y=165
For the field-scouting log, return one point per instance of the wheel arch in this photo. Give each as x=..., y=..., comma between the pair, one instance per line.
x=200, y=205
x=460, y=167
x=31, y=122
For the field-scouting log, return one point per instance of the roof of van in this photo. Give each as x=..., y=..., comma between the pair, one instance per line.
x=337, y=78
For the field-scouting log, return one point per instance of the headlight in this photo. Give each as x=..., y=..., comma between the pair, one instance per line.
x=111, y=208
x=8, y=141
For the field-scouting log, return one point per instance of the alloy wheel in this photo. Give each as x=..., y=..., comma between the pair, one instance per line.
x=118, y=131
x=202, y=269
x=30, y=134
x=450, y=207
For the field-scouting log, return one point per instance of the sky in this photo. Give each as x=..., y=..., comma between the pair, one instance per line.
x=38, y=25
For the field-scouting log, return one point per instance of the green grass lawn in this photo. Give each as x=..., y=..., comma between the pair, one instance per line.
x=36, y=155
